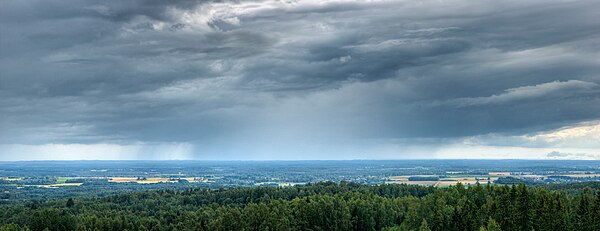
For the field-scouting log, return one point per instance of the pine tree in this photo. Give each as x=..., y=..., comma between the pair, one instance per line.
x=492, y=225
x=10, y=227
x=596, y=211
x=424, y=226
x=524, y=208
x=70, y=202
x=583, y=213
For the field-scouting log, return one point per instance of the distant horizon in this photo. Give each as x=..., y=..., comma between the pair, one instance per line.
x=283, y=160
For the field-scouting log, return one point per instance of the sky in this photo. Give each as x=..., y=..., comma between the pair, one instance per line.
x=296, y=80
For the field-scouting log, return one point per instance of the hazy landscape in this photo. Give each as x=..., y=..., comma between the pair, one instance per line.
x=308, y=115
x=24, y=182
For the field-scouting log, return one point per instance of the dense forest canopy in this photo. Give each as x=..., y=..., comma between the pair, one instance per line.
x=321, y=206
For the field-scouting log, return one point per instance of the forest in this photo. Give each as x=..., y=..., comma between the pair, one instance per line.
x=320, y=206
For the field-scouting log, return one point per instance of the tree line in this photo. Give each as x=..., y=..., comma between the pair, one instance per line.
x=320, y=206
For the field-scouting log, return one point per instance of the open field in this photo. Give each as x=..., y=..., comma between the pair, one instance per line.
x=443, y=181
x=280, y=184
x=140, y=181
x=581, y=175
x=155, y=180
x=452, y=179
x=424, y=183
x=499, y=173
x=26, y=181
x=59, y=185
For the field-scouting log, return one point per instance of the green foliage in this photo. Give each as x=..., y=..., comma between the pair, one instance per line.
x=12, y=227
x=70, y=202
x=492, y=225
x=53, y=220
x=321, y=206
x=584, y=219
x=424, y=226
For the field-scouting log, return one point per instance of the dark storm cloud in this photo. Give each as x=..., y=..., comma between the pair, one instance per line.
x=38, y=10
x=296, y=73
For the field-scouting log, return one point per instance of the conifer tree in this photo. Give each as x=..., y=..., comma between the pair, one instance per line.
x=596, y=211
x=493, y=225
x=583, y=215
x=424, y=226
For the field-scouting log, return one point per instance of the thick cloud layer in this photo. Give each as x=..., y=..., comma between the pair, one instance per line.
x=297, y=79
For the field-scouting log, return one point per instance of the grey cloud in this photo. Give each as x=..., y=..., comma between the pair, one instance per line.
x=35, y=10
x=567, y=155
x=550, y=90
x=217, y=72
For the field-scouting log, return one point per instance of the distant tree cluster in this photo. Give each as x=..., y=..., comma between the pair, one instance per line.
x=509, y=180
x=423, y=178
x=321, y=206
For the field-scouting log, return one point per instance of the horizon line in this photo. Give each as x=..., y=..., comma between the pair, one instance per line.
x=295, y=160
